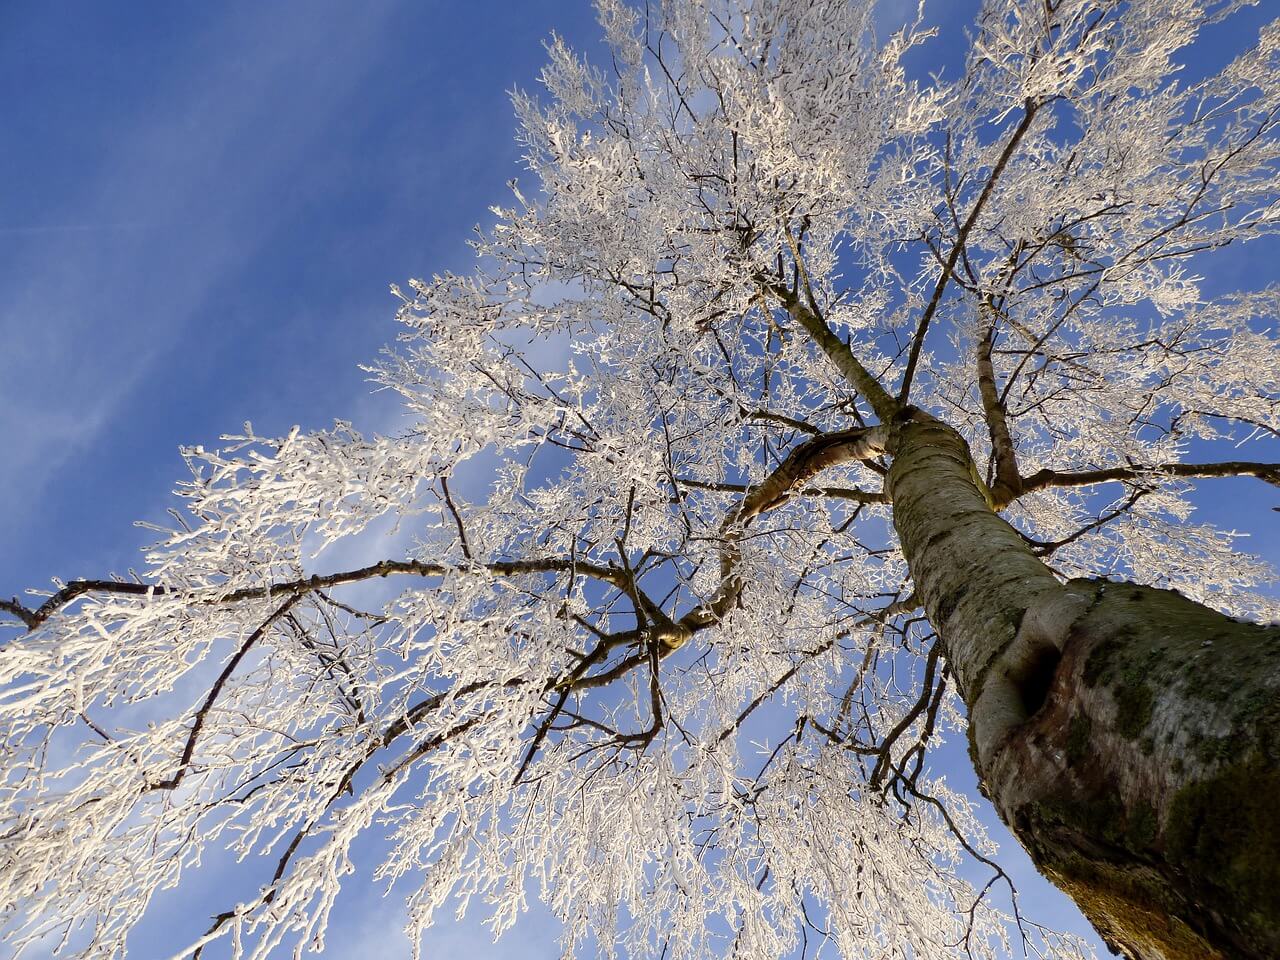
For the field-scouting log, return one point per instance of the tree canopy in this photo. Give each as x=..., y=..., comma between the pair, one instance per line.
x=646, y=501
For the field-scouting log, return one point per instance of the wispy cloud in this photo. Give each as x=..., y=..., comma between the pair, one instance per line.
x=110, y=285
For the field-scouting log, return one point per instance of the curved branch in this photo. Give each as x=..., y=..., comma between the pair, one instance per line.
x=804, y=461
x=884, y=757
x=188, y=751
x=807, y=460
x=344, y=785
x=1043, y=548
x=27, y=616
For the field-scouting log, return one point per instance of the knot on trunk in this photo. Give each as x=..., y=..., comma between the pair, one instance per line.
x=1144, y=782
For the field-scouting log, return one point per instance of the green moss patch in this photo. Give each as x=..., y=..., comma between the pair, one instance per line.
x=1225, y=832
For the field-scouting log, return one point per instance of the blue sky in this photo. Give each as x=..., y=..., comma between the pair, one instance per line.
x=205, y=205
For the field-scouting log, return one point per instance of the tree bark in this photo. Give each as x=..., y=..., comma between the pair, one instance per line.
x=1128, y=736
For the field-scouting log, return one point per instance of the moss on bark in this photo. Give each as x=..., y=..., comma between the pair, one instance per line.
x=1147, y=786
x=1129, y=736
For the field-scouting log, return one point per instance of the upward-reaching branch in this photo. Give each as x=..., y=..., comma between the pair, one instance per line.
x=804, y=461
x=838, y=352
x=1008, y=481
x=948, y=268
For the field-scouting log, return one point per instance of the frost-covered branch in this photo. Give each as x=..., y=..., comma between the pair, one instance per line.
x=33, y=618
x=622, y=614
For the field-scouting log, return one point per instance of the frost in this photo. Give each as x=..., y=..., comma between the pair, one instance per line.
x=641, y=507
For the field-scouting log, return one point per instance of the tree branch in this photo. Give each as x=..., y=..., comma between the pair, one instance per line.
x=803, y=462
x=837, y=351
x=1044, y=548
x=1008, y=481
x=457, y=518
x=835, y=493
x=1269, y=472
x=27, y=616
x=344, y=784
x=917, y=341
x=884, y=757
x=188, y=751
x=383, y=568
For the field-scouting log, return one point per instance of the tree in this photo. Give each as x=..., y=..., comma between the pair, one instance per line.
x=810, y=391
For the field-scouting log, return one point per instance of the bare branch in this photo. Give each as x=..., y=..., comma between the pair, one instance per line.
x=948, y=269
x=1268, y=472
x=1008, y=480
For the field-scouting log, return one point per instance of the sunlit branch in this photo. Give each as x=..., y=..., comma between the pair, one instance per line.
x=343, y=786
x=835, y=493
x=188, y=750
x=803, y=462
x=838, y=352
x=383, y=568
x=1045, y=547
x=894, y=609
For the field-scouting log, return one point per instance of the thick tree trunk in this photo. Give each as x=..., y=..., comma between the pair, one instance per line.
x=1128, y=736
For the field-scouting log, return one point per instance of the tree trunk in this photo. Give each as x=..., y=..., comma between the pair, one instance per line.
x=1129, y=737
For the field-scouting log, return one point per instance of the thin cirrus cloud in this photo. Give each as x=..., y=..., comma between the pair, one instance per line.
x=206, y=207
x=103, y=277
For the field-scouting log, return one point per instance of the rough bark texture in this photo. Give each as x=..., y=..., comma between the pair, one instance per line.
x=1129, y=736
